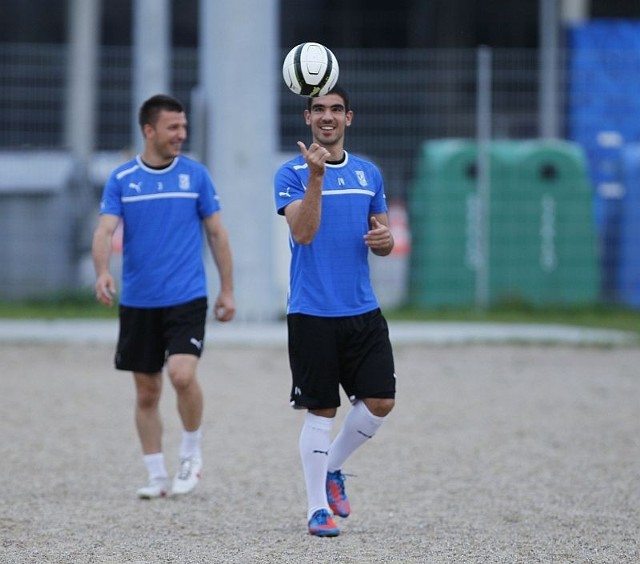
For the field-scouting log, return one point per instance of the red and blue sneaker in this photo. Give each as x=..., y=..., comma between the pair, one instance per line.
x=322, y=524
x=338, y=501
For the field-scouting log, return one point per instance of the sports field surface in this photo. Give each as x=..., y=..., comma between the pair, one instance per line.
x=509, y=453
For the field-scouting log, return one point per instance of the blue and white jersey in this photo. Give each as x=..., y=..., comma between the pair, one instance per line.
x=162, y=212
x=330, y=277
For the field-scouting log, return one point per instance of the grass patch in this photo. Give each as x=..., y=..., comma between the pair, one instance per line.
x=83, y=305
x=597, y=317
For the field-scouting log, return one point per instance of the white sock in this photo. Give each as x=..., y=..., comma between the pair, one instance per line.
x=315, y=439
x=155, y=466
x=359, y=426
x=190, y=446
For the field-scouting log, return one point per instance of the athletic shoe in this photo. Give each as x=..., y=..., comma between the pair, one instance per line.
x=187, y=476
x=322, y=524
x=338, y=501
x=157, y=487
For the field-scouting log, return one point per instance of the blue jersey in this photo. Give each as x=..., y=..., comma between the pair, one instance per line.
x=330, y=277
x=162, y=212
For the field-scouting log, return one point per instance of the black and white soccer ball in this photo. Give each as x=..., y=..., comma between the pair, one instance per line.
x=310, y=69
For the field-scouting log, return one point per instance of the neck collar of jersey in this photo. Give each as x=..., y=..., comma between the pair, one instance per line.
x=154, y=170
x=337, y=164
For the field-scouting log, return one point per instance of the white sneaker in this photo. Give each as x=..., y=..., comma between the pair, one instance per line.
x=157, y=487
x=187, y=476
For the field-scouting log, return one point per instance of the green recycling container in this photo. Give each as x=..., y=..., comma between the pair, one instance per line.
x=541, y=234
x=443, y=216
x=544, y=246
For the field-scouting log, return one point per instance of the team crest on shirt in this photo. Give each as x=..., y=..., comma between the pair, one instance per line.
x=362, y=179
x=184, y=181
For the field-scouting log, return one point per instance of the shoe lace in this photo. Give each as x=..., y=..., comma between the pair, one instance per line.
x=339, y=478
x=322, y=517
x=185, y=469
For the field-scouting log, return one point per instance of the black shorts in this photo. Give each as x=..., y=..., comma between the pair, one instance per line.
x=149, y=335
x=328, y=352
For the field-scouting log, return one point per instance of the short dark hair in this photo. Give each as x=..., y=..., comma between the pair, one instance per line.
x=337, y=89
x=150, y=109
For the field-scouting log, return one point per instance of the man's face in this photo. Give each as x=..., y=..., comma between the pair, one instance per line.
x=168, y=134
x=328, y=119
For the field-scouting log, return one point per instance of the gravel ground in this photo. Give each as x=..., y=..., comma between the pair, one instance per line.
x=495, y=453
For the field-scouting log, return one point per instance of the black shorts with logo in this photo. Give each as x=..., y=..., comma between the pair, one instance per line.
x=328, y=352
x=149, y=335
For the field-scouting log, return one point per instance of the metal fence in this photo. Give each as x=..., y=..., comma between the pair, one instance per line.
x=401, y=99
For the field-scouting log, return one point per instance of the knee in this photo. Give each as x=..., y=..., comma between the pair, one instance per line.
x=181, y=380
x=148, y=393
x=182, y=372
x=380, y=407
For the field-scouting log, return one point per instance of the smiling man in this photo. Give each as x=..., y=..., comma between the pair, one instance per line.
x=334, y=204
x=163, y=200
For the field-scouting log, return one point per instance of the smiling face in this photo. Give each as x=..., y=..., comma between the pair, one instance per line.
x=328, y=118
x=164, y=138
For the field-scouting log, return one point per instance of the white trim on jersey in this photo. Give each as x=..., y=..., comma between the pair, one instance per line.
x=124, y=173
x=347, y=192
x=192, y=195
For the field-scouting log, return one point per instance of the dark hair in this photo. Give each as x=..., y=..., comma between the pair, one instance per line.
x=153, y=106
x=338, y=90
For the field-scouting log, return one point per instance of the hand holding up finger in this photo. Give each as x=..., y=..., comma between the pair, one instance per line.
x=315, y=156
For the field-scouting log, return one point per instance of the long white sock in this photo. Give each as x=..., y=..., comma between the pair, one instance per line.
x=190, y=445
x=359, y=426
x=315, y=439
x=155, y=466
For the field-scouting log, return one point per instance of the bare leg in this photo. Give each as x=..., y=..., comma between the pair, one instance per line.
x=182, y=373
x=147, y=412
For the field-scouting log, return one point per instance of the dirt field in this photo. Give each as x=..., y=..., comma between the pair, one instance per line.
x=495, y=453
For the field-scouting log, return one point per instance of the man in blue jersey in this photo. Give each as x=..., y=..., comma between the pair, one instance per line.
x=334, y=204
x=163, y=200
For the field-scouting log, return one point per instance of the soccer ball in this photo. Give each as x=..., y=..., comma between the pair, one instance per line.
x=310, y=69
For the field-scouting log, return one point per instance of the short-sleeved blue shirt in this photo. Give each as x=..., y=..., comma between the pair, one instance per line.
x=162, y=212
x=330, y=277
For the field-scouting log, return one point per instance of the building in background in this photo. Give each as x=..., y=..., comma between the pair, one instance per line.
x=411, y=69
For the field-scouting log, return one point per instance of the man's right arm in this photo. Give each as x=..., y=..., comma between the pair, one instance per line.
x=101, y=253
x=303, y=216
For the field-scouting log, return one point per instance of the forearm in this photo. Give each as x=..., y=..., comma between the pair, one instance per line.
x=304, y=217
x=221, y=253
x=101, y=252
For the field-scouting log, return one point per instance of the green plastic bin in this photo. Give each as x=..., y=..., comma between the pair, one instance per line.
x=443, y=204
x=543, y=234
x=542, y=240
